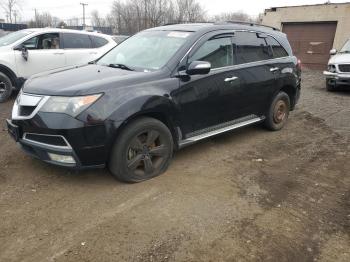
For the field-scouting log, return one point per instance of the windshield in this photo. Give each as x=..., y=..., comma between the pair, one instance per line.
x=13, y=37
x=346, y=47
x=146, y=51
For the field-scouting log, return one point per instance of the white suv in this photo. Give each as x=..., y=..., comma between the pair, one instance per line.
x=31, y=51
x=338, y=72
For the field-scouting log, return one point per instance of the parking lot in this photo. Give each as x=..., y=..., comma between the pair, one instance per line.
x=249, y=195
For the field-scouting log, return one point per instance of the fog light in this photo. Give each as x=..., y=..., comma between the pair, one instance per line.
x=62, y=158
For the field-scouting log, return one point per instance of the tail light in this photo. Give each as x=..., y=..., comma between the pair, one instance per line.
x=299, y=64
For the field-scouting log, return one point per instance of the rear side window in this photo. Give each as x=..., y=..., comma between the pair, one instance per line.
x=98, y=41
x=72, y=40
x=277, y=48
x=249, y=47
x=217, y=51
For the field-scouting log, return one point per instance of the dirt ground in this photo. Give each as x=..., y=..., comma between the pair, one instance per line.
x=250, y=195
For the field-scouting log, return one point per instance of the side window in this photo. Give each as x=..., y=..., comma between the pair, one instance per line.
x=217, y=51
x=72, y=40
x=98, y=41
x=44, y=41
x=277, y=49
x=249, y=47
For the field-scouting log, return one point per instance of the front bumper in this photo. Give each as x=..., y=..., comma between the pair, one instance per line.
x=83, y=147
x=337, y=78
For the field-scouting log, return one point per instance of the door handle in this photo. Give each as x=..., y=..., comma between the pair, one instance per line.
x=230, y=79
x=58, y=53
x=93, y=53
x=274, y=69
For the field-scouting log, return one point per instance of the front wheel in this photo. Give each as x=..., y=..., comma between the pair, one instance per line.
x=142, y=151
x=278, y=113
x=5, y=87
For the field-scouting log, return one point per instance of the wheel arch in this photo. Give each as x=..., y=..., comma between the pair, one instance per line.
x=291, y=92
x=9, y=73
x=158, y=107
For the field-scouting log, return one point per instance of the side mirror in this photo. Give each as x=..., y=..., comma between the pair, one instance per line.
x=333, y=52
x=24, y=53
x=198, y=68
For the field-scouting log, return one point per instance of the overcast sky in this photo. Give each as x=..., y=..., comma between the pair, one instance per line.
x=65, y=9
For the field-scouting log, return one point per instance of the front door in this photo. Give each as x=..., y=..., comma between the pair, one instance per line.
x=44, y=53
x=204, y=100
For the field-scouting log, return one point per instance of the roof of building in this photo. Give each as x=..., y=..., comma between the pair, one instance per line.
x=310, y=5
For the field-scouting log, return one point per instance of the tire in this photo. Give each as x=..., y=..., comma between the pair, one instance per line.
x=142, y=151
x=330, y=88
x=5, y=87
x=278, y=113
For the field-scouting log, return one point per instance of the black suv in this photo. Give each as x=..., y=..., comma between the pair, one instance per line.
x=158, y=91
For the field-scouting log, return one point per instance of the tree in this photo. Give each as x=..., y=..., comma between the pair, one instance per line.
x=97, y=20
x=10, y=8
x=235, y=16
x=128, y=17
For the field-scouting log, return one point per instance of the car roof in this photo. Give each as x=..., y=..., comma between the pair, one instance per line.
x=61, y=30
x=207, y=27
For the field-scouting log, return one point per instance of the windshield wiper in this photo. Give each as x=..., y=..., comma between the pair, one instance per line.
x=344, y=52
x=121, y=66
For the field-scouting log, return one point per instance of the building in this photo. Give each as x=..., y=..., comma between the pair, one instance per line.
x=313, y=30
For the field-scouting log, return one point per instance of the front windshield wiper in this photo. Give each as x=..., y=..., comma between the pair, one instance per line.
x=344, y=52
x=121, y=66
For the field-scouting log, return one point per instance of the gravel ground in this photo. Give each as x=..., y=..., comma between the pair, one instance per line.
x=249, y=195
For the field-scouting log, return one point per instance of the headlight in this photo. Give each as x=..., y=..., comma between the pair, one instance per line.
x=72, y=106
x=331, y=68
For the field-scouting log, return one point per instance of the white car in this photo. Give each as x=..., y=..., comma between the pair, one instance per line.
x=338, y=73
x=32, y=51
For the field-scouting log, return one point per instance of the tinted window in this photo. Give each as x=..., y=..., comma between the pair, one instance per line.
x=249, y=47
x=98, y=41
x=217, y=51
x=277, y=49
x=43, y=41
x=77, y=41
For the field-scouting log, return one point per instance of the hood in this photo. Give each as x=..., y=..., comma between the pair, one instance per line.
x=340, y=59
x=83, y=80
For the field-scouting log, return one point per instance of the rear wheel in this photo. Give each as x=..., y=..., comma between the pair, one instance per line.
x=5, y=87
x=142, y=151
x=278, y=113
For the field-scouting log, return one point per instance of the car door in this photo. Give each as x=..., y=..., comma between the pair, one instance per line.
x=44, y=53
x=78, y=48
x=204, y=99
x=253, y=58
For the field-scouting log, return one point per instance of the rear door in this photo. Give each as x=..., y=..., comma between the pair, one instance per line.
x=78, y=48
x=256, y=71
x=44, y=53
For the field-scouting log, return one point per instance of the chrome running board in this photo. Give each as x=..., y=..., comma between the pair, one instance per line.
x=219, y=130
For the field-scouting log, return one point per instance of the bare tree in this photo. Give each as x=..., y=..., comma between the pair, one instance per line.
x=235, y=16
x=44, y=19
x=97, y=20
x=10, y=8
x=128, y=17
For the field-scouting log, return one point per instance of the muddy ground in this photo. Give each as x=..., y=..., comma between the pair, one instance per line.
x=250, y=195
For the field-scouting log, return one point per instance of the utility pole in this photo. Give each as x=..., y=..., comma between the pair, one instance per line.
x=15, y=15
x=36, y=17
x=84, y=4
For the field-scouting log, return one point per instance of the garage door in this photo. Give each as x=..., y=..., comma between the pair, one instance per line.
x=311, y=42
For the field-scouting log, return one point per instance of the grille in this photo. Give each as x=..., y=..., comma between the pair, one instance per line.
x=344, y=68
x=46, y=139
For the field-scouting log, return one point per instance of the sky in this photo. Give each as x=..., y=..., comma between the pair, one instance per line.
x=66, y=9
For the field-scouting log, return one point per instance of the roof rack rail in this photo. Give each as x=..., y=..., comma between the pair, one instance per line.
x=251, y=24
